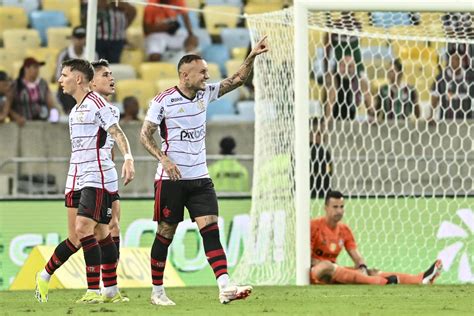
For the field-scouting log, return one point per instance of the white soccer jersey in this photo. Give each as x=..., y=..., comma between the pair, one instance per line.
x=91, y=164
x=182, y=125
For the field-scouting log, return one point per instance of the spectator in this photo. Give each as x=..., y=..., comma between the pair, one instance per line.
x=75, y=50
x=453, y=90
x=113, y=19
x=346, y=90
x=31, y=97
x=5, y=93
x=228, y=174
x=321, y=162
x=337, y=45
x=131, y=109
x=161, y=25
x=396, y=100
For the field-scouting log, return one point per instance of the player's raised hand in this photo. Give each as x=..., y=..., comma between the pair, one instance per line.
x=128, y=171
x=261, y=46
x=171, y=169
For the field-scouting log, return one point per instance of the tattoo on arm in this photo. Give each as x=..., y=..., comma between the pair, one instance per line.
x=119, y=136
x=237, y=79
x=148, y=141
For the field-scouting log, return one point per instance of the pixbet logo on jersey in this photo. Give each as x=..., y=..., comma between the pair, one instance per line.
x=193, y=134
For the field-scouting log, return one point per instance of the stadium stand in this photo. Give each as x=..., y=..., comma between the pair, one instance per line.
x=27, y=5
x=43, y=20
x=144, y=90
x=58, y=37
x=235, y=37
x=219, y=54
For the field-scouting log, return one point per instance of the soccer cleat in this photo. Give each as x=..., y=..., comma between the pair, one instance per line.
x=160, y=298
x=117, y=298
x=90, y=298
x=234, y=292
x=392, y=279
x=432, y=273
x=41, y=290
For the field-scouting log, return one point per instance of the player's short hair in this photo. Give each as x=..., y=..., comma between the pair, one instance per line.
x=397, y=65
x=97, y=64
x=80, y=65
x=333, y=195
x=186, y=59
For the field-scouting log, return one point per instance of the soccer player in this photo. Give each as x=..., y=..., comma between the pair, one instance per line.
x=182, y=178
x=91, y=183
x=329, y=235
x=104, y=84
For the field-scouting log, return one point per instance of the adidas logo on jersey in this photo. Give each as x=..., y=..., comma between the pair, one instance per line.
x=181, y=110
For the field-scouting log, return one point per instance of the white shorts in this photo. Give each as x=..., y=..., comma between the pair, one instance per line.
x=158, y=43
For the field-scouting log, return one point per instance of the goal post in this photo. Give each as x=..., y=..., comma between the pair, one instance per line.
x=301, y=105
x=408, y=182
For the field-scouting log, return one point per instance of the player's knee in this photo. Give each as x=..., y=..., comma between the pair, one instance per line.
x=167, y=230
x=114, y=227
x=323, y=270
x=84, y=227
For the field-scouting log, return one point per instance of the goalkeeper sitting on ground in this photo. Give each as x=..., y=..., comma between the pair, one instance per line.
x=329, y=236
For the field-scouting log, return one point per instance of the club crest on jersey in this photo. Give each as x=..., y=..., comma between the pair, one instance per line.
x=200, y=104
x=332, y=247
x=80, y=116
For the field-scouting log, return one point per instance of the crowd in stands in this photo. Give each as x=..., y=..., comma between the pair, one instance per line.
x=143, y=44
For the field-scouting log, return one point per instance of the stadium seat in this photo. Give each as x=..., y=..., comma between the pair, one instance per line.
x=123, y=72
x=246, y=110
x=135, y=37
x=163, y=84
x=194, y=17
x=138, y=21
x=49, y=56
x=58, y=37
x=239, y=53
x=8, y=57
x=133, y=57
x=12, y=18
x=21, y=39
x=235, y=37
x=153, y=71
x=216, y=17
x=257, y=8
x=214, y=72
x=389, y=19
x=70, y=8
x=43, y=20
x=220, y=106
x=27, y=5
x=237, y=3
x=232, y=66
x=143, y=90
x=219, y=54
x=204, y=38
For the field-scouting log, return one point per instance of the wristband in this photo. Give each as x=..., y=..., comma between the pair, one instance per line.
x=128, y=157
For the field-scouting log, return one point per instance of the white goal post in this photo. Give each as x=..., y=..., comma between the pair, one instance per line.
x=301, y=108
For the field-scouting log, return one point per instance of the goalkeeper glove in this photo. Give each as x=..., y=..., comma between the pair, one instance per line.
x=363, y=269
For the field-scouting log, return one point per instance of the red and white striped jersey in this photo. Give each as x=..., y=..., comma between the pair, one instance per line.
x=91, y=163
x=182, y=125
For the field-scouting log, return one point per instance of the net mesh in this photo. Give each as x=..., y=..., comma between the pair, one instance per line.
x=391, y=101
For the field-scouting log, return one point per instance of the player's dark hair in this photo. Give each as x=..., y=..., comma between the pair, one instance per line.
x=333, y=195
x=397, y=64
x=186, y=59
x=97, y=64
x=80, y=65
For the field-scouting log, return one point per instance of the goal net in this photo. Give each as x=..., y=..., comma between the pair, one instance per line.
x=391, y=106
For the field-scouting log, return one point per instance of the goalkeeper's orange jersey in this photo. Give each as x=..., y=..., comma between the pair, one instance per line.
x=326, y=242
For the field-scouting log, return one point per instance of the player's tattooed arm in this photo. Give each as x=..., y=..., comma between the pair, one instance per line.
x=148, y=141
x=239, y=78
x=119, y=136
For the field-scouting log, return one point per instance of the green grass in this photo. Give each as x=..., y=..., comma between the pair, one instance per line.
x=283, y=300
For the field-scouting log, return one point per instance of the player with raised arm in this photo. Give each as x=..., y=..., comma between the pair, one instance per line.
x=182, y=178
x=91, y=183
x=329, y=236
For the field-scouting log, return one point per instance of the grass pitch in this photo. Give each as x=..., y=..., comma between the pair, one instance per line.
x=283, y=300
